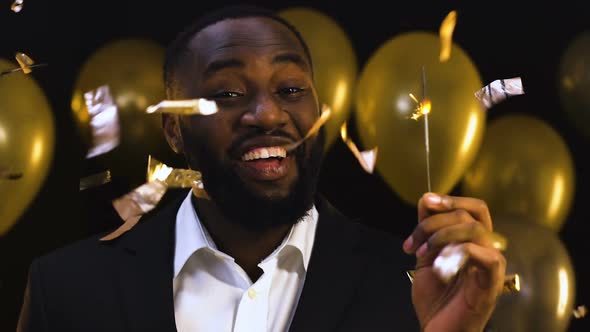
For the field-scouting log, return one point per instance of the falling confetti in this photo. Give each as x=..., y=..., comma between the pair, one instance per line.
x=25, y=63
x=367, y=159
x=326, y=112
x=95, y=180
x=185, y=107
x=511, y=283
x=175, y=177
x=446, y=36
x=132, y=206
x=580, y=312
x=104, y=121
x=17, y=6
x=498, y=91
x=160, y=177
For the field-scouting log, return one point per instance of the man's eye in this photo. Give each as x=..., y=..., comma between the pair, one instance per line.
x=290, y=91
x=227, y=94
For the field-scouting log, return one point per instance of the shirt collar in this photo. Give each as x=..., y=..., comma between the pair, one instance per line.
x=191, y=236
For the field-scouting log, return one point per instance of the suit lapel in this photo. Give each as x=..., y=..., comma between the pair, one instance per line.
x=146, y=271
x=334, y=271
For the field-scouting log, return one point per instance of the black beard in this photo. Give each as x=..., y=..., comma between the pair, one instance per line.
x=241, y=206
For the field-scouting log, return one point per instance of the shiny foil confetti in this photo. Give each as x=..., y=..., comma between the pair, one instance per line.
x=324, y=117
x=199, y=190
x=160, y=177
x=95, y=180
x=498, y=91
x=132, y=206
x=175, y=178
x=580, y=312
x=185, y=107
x=446, y=36
x=25, y=62
x=367, y=159
x=511, y=283
x=17, y=6
x=104, y=121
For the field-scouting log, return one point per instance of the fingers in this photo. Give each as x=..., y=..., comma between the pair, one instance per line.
x=431, y=203
x=425, y=229
x=490, y=263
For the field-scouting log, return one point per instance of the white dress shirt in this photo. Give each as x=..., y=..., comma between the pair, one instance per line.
x=213, y=293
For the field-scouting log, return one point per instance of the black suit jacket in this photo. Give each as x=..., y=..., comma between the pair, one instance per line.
x=356, y=281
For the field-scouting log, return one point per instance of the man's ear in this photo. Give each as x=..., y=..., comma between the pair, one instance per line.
x=171, y=124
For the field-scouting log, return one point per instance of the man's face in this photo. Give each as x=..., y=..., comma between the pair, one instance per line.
x=257, y=72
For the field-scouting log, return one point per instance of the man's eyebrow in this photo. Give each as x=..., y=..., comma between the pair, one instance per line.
x=291, y=58
x=218, y=65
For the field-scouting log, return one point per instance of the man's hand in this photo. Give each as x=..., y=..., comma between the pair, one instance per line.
x=468, y=300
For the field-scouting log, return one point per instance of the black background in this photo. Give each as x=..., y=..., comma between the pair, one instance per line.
x=504, y=39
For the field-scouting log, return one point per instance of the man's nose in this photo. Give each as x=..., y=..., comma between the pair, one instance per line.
x=265, y=113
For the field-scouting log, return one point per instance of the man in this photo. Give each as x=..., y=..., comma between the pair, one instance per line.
x=265, y=253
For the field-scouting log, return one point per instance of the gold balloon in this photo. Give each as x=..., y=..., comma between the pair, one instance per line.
x=27, y=136
x=334, y=63
x=547, y=280
x=456, y=122
x=132, y=68
x=524, y=169
x=574, y=82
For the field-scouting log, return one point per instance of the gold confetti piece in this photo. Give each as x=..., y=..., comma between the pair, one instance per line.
x=160, y=177
x=132, y=206
x=95, y=180
x=411, y=274
x=157, y=170
x=511, y=283
x=104, y=121
x=172, y=177
x=326, y=112
x=24, y=61
x=199, y=190
x=128, y=225
x=446, y=35
x=17, y=6
x=148, y=195
x=498, y=91
x=367, y=158
x=14, y=70
x=580, y=312
x=185, y=107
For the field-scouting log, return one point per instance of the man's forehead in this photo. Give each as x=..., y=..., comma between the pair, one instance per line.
x=251, y=32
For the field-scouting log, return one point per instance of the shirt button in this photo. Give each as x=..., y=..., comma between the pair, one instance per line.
x=252, y=293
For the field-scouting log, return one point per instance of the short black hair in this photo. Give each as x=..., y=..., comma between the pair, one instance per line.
x=178, y=46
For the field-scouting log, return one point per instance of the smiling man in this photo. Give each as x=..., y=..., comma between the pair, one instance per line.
x=266, y=252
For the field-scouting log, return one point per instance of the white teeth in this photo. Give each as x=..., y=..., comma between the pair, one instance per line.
x=264, y=153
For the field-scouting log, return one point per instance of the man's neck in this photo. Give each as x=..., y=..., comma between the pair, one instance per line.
x=246, y=246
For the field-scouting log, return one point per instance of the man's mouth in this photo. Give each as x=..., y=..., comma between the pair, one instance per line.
x=267, y=163
x=270, y=152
